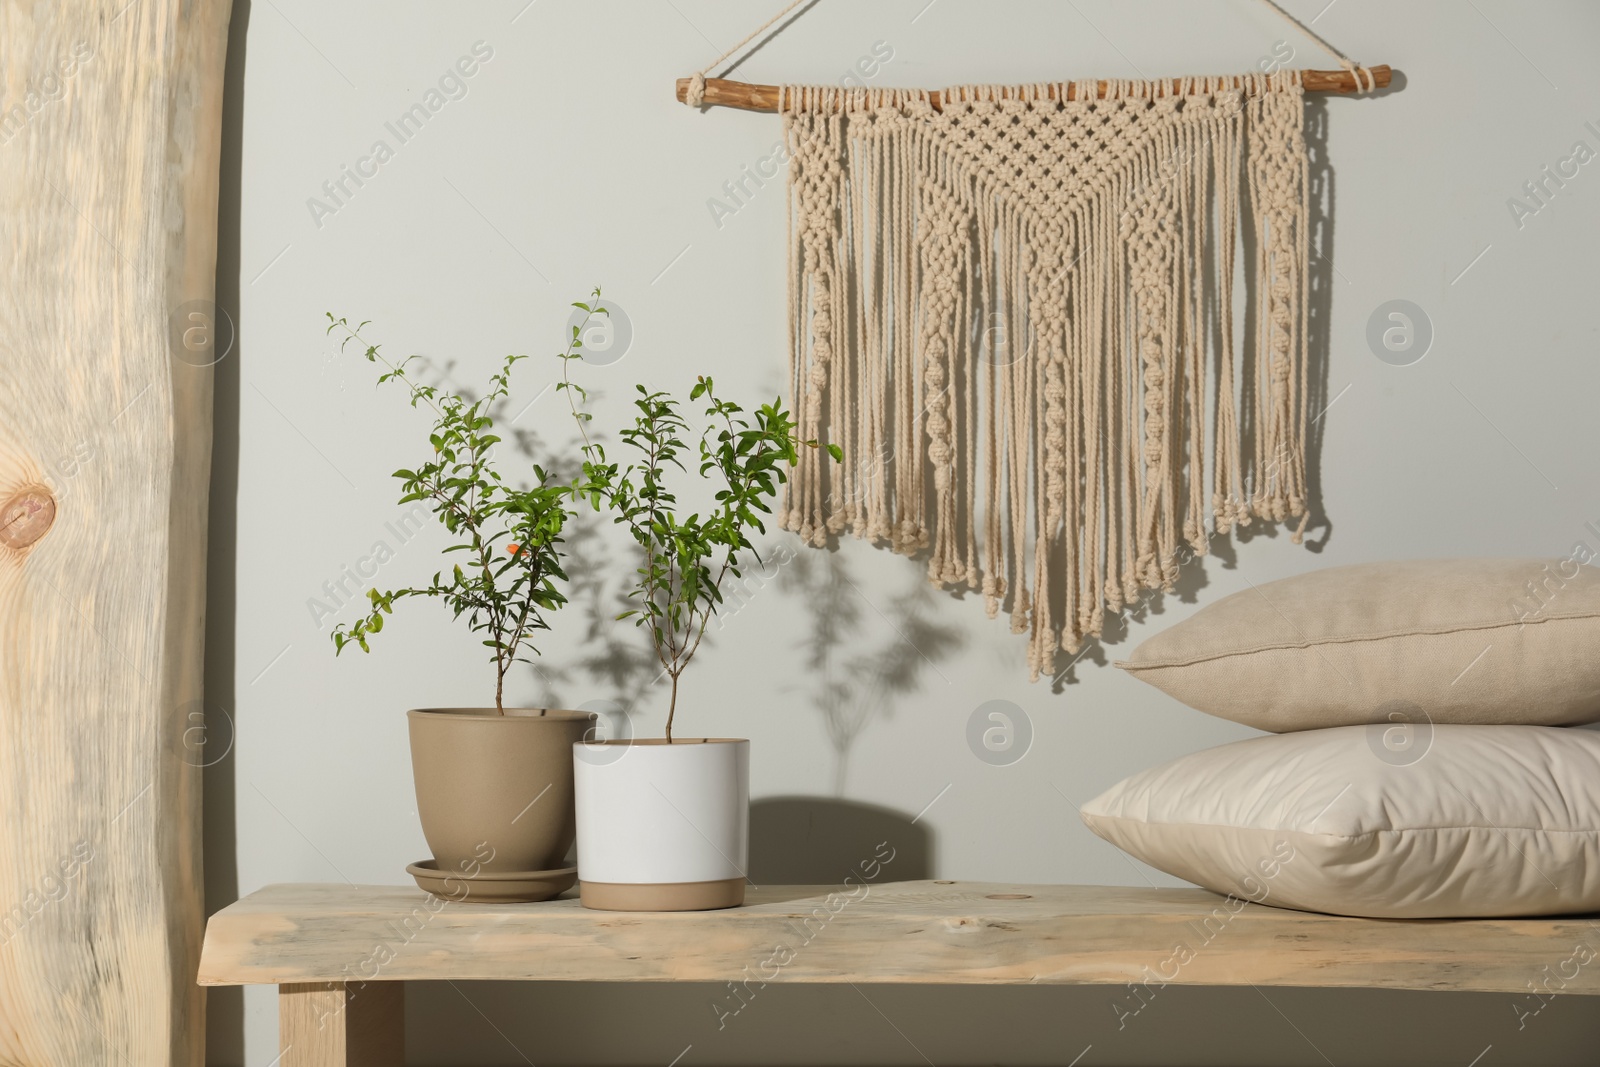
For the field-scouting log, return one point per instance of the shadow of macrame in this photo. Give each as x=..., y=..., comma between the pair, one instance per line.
x=1319, y=309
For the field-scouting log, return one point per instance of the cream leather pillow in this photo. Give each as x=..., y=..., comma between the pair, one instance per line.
x=1514, y=641
x=1482, y=821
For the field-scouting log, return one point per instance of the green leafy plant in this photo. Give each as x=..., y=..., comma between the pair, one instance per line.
x=510, y=536
x=686, y=558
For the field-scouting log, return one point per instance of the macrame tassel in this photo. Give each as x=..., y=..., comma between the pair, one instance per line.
x=1022, y=304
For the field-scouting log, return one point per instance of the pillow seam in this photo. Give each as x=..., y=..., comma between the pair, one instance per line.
x=1211, y=657
x=1342, y=837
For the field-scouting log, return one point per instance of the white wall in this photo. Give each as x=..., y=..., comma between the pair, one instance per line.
x=567, y=164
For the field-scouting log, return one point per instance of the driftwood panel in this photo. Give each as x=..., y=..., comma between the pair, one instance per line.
x=109, y=134
x=943, y=933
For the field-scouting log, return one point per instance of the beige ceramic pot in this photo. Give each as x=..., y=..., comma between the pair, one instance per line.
x=494, y=792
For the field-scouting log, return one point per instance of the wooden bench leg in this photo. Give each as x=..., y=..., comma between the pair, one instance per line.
x=330, y=1024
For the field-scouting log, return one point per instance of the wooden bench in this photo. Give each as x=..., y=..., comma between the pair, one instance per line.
x=340, y=954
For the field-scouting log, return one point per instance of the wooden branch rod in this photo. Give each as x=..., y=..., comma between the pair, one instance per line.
x=748, y=97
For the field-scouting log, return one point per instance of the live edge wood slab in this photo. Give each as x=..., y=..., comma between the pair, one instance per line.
x=340, y=954
x=110, y=135
x=955, y=933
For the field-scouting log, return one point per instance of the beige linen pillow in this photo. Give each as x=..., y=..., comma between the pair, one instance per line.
x=1482, y=821
x=1510, y=641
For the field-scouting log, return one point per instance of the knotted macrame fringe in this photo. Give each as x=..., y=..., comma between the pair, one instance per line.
x=1016, y=317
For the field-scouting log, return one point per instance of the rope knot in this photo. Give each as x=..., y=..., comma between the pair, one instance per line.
x=696, y=94
x=1365, y=80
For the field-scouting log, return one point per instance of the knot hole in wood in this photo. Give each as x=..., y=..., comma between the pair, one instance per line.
x=27, y=516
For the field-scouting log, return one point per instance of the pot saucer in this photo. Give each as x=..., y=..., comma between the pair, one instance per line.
x=492, y=887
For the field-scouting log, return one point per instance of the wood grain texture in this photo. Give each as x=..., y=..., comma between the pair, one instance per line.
x=902, y=932
x=326, y=1024
x=747, y=96
x=109, y=141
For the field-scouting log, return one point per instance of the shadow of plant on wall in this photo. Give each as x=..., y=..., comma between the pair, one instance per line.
x=862, y=658
x=612, y=656
x=624, y=667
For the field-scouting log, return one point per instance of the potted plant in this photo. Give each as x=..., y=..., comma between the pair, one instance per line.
x=666, y=827
x=494, y=784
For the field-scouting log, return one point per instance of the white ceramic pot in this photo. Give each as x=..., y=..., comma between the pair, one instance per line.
x=663, y=827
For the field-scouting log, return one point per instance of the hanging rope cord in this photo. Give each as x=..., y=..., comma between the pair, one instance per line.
x=1365, y=81
x=697, y=83
x=696, y=95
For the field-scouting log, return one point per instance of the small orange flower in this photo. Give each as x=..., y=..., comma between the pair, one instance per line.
x=513, y=548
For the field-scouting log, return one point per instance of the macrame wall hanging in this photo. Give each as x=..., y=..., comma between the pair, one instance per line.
x=1012, y=307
